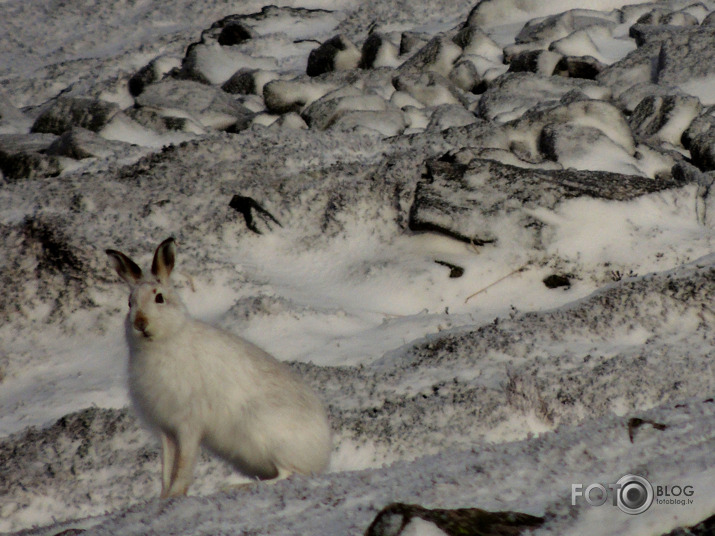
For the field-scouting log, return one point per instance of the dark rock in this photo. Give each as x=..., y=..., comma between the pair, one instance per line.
x=454, y=270
x=474, y=202
x=702, y=150
x=410, y=41
x=26, y=143
x=28, y=165
x=535, y=61
x=699, y=125
x=556, y=281
x=234, y=33
x=247, y=206
x=586, y=67
x=394, y=518
x=704, y=528
x=151, y=73
x=337, y=53
x=22, y=156
x=664, y=117
x=377, y=51
x=66, y=112
x=243, y=82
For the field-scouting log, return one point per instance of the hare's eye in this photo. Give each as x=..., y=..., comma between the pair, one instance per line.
x=159, y=298
x=130, y=303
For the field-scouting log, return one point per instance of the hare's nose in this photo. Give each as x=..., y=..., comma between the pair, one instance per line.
x=141, y=323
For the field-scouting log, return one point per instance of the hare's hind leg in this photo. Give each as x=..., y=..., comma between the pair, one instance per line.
x=182, y=474
x=168, y=457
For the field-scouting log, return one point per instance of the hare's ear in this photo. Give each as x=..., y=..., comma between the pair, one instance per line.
x=125, y=267
x=164, y=258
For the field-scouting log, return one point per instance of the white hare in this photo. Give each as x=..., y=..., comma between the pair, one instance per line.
x=200, y=385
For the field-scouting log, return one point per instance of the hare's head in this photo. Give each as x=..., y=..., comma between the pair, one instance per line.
x=155, y=308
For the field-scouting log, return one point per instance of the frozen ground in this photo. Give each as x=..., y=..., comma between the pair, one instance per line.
x=422, y=204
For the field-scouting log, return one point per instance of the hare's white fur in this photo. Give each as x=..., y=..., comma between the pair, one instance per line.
x=200, y=385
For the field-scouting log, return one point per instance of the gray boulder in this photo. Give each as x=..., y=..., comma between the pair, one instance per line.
x=64, y=113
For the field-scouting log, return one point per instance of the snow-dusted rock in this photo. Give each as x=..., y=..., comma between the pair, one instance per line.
x=412, y=41
x=324, y=112
x=543, y=62
x=63, y=113
x=79, y=143
x=510, y=95
x=12, y=120
x=664, y=117
x=388, y=123
x=473, y=40
x=400, y=519
x=450, y=115
x=485, y=200
x=282, y=96
x=155, y=121
x=526, y=131
x=687, y=55
x=584, y=147
x=28, y=165
x=378, y=51
x=336, y=54
x=234, y=32
x=430, y=88
x=702, y=150
x=152, y=72
x=207, y=105
x=249, y=81
x=465, y=76
x=437, y=56
x=663, y=16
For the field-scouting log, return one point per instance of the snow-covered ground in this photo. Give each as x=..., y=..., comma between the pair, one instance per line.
x=420, y=207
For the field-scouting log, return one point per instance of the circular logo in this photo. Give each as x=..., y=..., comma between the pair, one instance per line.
x=634, y=495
